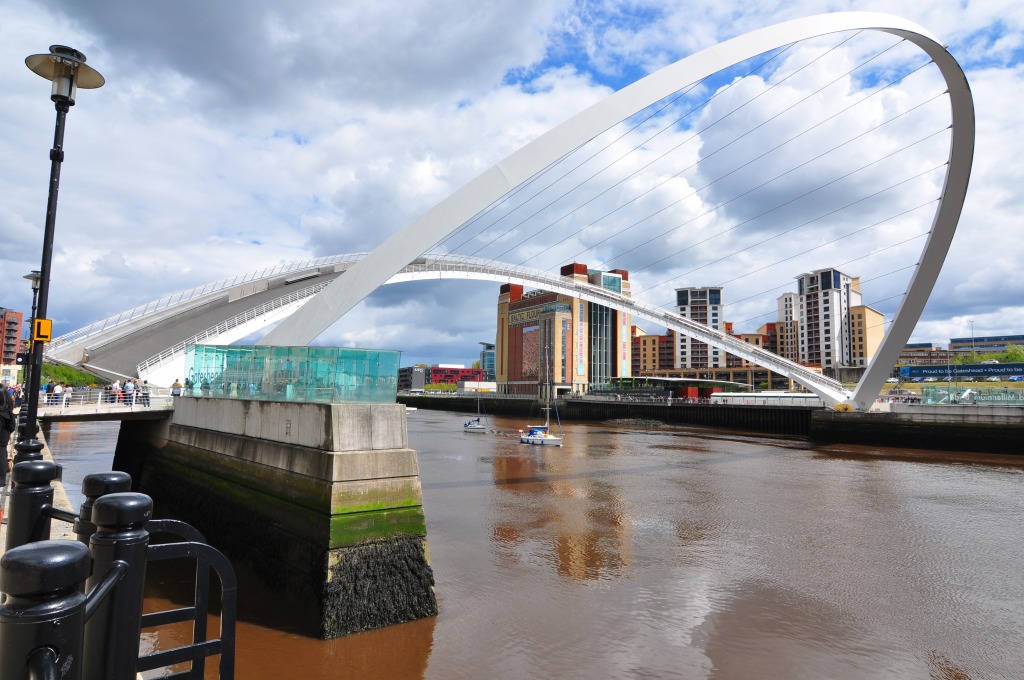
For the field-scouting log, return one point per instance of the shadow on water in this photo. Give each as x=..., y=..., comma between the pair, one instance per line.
x=856, y=452
x=619, y=472
x=267, y=644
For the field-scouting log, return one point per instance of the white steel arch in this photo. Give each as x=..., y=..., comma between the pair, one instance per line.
x=448, y=215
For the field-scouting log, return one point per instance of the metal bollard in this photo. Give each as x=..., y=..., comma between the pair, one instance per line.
x=112, y=633
x=30, y=491
x=43, y=618
x=28, y=431
x=94, y=486
x=28, y=449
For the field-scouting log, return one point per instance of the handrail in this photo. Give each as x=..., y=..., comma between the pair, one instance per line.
x=193, y=293
x=158, y=398
x=226, y=325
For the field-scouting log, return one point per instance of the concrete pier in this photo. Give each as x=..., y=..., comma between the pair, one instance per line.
x=318, y=506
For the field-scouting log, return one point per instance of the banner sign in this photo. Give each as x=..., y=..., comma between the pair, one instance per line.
x=581, y=339
x=950, y=372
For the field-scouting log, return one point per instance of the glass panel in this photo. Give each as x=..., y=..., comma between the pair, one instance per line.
x=299, y=374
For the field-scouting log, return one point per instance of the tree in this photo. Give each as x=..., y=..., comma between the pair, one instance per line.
x=1014, y=354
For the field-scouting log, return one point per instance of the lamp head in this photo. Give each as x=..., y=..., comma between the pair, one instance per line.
x=34, y=277
x=65, y=68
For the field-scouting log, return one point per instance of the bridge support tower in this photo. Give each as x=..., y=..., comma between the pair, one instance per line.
x=318, y=506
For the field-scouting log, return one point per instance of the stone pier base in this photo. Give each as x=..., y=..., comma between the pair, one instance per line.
x=318, y=506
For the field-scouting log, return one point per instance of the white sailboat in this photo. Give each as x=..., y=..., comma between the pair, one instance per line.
x=540, y=435
x=475, y=425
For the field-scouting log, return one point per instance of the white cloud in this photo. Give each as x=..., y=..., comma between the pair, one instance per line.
x=227, y=140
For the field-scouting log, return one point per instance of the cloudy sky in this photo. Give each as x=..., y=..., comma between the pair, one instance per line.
x=233, y=136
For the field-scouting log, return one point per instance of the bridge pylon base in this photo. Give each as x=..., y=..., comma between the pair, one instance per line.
x=318, y=506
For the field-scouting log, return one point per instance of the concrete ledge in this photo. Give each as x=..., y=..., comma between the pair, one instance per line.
x=330, y=427
x=322, y=496
x=960, y=413
x=324, y=465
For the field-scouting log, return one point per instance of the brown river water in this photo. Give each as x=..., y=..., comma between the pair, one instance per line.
x=665, y=552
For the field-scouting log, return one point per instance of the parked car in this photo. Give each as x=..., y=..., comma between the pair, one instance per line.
x=918, y=380
x=891, y=380
x=993, y=378
x=969, y=378
x=933, y=379
x=1016, y=378
x=990, y=361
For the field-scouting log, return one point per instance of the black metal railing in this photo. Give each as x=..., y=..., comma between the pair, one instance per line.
x=68, y=604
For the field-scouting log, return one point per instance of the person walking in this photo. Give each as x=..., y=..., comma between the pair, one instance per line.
x=7, y=426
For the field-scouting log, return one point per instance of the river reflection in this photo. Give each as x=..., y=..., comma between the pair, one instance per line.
x=668, y=553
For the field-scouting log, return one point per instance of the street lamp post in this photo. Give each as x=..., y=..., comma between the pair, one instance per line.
x=33, y=278
x=65, y=68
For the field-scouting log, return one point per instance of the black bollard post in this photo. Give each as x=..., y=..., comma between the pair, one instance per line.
x=112, y=633
x=30, y=491
x=28, y=449
x=43, y=618
x=94, y=486
x=22, y=425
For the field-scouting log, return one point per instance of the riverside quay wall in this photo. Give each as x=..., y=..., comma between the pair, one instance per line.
x=969, y=427
x=784, y=420
x=318, y=506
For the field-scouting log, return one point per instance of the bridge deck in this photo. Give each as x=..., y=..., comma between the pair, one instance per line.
x=96, y=405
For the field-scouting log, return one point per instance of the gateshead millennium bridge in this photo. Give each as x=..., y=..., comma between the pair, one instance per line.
x=308, y=297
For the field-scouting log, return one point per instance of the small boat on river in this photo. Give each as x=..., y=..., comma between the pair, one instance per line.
x=540, y=435
x=476, y=425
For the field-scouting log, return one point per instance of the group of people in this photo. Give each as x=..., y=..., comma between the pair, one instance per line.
x=128, y=392
x=57, y=393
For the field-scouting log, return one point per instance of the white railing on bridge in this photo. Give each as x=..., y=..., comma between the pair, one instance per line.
x=236, y=321
x=100, y=400
x=195, y=293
